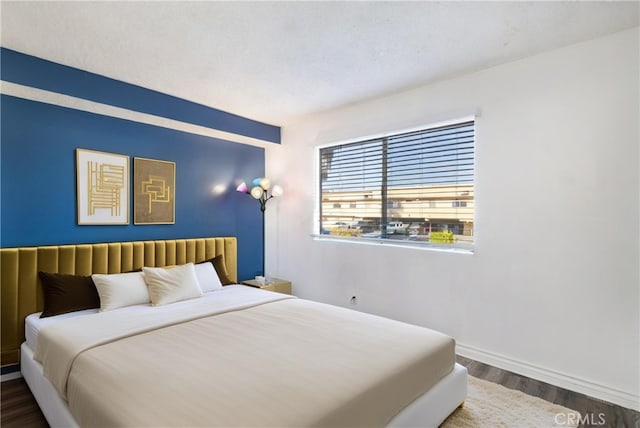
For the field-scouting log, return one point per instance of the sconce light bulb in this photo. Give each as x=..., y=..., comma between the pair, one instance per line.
x=277, y=190
x=265, y=183
x=242, y=188
x=257, y=192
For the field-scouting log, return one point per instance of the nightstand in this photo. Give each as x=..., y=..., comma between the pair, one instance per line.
x=275, y=284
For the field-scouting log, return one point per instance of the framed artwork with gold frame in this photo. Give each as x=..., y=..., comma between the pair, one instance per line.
x=102, y=187
x=154, y=187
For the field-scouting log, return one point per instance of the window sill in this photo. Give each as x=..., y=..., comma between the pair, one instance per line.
x=414, y=245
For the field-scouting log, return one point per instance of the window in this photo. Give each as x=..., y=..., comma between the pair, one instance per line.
x=413, y=188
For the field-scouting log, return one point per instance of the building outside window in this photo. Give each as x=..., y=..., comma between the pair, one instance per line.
x=413, y=187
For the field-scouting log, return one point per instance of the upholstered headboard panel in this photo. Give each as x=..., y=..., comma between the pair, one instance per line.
x=21, y=293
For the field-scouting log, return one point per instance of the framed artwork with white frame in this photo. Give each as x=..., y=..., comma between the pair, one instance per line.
x=102, y=187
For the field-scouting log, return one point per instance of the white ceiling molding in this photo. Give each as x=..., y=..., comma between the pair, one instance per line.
x=54, y=98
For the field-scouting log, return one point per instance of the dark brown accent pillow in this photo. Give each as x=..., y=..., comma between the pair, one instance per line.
x=221, y=269
x=65, y=293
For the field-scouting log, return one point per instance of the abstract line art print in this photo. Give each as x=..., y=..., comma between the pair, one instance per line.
x=153, y=191
x=102, y=187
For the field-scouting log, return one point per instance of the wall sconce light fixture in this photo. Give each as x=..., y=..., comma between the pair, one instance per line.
x=261, y=191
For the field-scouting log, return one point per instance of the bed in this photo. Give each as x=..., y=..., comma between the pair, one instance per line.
x=230, y=356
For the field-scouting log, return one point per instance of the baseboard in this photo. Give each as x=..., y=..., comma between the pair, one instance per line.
x=10, y=376
x=10, y=372
x=592, y=389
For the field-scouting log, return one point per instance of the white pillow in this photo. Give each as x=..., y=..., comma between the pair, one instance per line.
x=121, y=289
x=172, y=285
x=208, y=277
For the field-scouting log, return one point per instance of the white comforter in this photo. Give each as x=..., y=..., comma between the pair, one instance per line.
x=60, y=343
x=241, y=357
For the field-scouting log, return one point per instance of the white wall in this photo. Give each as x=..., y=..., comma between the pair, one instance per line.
x=552, y=290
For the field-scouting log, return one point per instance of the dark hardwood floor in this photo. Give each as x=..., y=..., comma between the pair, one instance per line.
x=18, y=408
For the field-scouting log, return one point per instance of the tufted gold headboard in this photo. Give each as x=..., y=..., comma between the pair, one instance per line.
x=21, y=293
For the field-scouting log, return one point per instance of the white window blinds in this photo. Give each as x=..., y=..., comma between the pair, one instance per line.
x=415, y=187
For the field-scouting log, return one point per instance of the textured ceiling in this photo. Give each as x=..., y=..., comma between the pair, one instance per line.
x=273, y=61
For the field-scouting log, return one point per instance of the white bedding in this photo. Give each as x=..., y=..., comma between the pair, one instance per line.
x=47, y=334
x=33, y=324
x=428, y=410
x=67, y=337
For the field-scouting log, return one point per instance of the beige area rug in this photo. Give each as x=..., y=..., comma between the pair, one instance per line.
x=492, y=405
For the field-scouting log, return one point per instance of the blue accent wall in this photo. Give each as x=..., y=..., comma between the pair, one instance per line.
x=38, y=180
x=35, y=72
